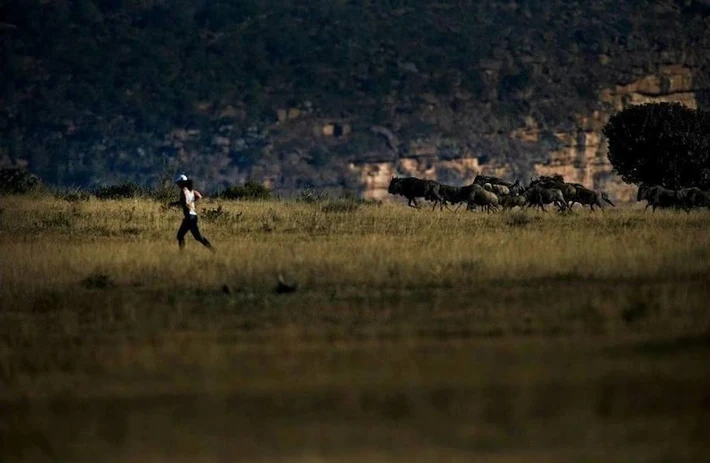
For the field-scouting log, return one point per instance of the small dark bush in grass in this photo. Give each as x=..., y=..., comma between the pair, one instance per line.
x=251, y=191
x=312, y=195
x=15, y=180
x=120, y=191
x=215, y=214
x=164, y=191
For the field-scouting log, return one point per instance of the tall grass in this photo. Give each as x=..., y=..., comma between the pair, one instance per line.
x=414, y=334
x=49, y=242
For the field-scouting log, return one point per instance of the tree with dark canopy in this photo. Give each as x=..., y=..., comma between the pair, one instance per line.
x=665, y=144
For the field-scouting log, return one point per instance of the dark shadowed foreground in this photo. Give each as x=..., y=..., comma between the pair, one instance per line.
x=413, y=336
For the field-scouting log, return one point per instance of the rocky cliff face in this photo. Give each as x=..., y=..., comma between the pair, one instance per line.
x=337, y=95
x=581, y=153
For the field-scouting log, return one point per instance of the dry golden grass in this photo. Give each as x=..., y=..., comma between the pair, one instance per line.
x=414, y=335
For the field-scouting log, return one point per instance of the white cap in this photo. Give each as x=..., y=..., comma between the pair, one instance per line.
x=181, y=178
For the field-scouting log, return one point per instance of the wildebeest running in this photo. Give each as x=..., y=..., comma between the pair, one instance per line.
x=413, y=188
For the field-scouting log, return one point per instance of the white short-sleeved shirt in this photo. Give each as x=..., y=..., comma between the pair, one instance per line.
x=189, y=201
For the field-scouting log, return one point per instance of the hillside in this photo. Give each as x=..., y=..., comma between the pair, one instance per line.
x=335, y=94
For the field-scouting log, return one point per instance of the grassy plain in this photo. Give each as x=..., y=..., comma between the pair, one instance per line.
x=414, y=335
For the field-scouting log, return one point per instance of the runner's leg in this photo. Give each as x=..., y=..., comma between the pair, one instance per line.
x=184, y=228
x=195, y=229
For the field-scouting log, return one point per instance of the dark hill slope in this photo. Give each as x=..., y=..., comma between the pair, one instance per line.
x=94, y=92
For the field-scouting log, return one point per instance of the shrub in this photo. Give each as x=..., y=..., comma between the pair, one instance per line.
x=664, y=144
x=312, y=195
x=120, y=191
x=165, y=190
x=16, y=180
x=219, y=214
x=253, y=191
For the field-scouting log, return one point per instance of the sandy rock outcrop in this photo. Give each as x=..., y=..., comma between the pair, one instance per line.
x=581, y=156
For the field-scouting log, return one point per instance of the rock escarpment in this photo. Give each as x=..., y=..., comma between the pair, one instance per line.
x=336, y=95
x=581, y=152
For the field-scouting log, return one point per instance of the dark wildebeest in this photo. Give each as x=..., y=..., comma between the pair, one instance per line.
x=472, y=195
x=479, y=196
x=538, y=196
x=658, y=196
x=413, y=188
x=457, y=195
x=693, y=197
x=449, y=195
x=499, y=190
x=569, y=190
x=511, y=201
x=554, y=178
x=591, y=198
x=516, y=188
x=483, y=179
x=546, y=181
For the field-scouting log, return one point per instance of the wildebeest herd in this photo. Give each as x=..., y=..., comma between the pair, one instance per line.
x=492, y=193
x=686, y=198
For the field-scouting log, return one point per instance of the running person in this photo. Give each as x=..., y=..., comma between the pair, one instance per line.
x=188, y=195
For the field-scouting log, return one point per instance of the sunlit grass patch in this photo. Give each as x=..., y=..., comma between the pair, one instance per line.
x=523, y=330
